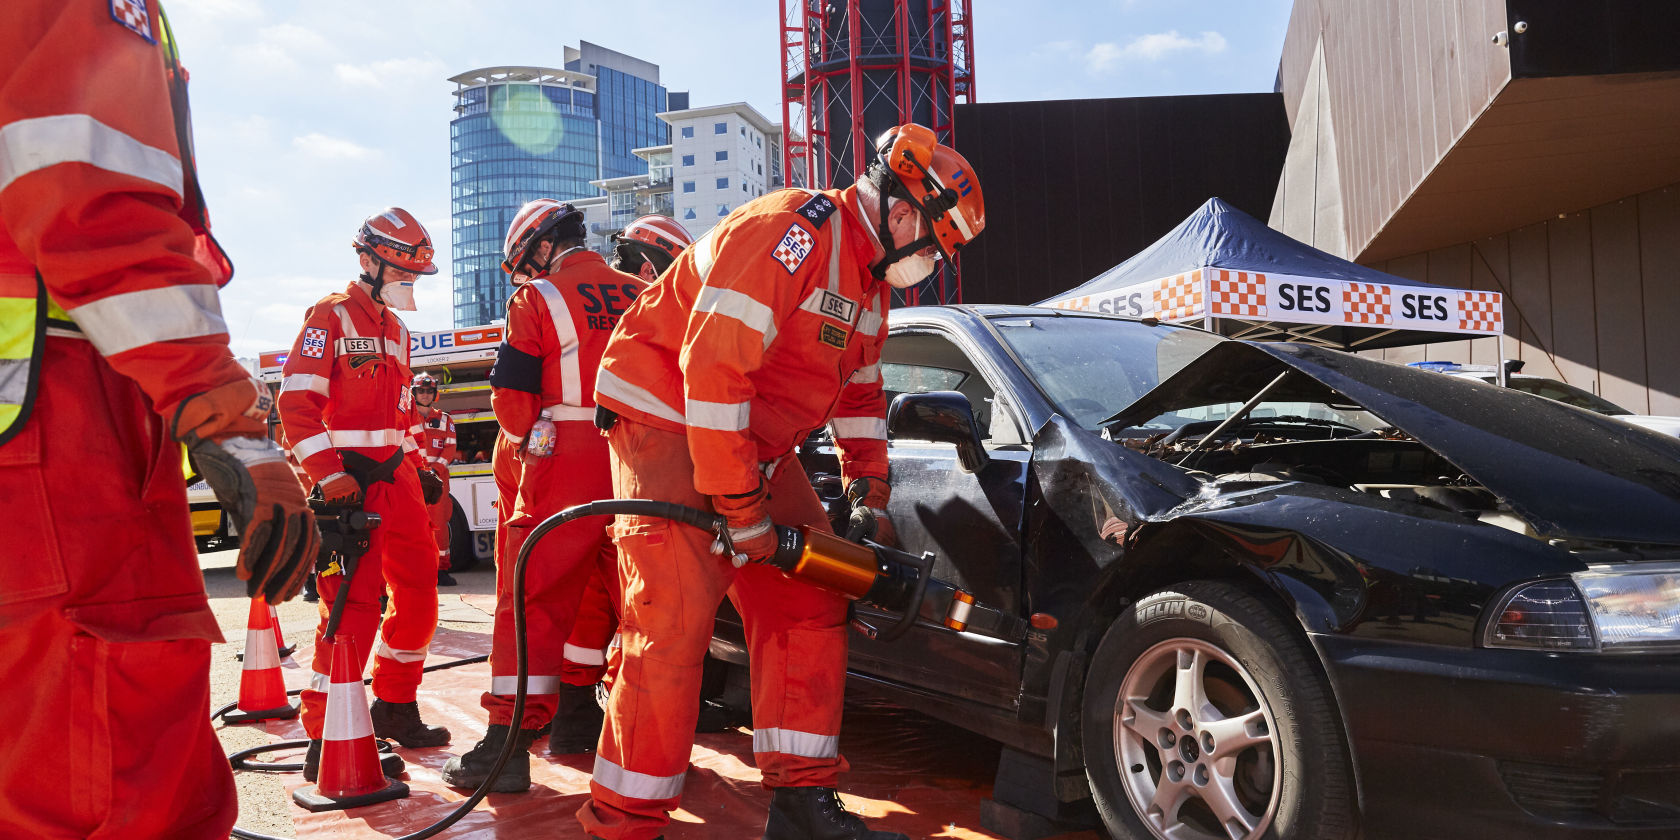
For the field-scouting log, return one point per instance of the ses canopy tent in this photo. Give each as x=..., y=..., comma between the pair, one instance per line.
x=1229, y=271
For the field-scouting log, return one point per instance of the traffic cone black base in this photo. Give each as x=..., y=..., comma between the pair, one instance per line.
x=390, y=763
x=286, y=712
x=311, y=799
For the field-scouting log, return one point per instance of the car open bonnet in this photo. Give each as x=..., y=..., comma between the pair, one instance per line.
x=1569, y=472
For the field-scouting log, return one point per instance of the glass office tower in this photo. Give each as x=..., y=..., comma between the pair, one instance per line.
x=533, y=132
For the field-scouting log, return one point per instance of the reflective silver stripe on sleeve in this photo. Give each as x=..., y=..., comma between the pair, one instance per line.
x=306, y=382
x=867, y=374
x=703, y=255
x=347, y=727
x=309, y=446
x=869, y=323
x=565, y=329
x=512, y=438
x=534, y=684
x=135, y=319
x=386, y=651
x=722, y=417
x=31, y=145
x=396, y=350
x=583, y=655
x=633, y=785
x=859, y=427
x=794, y=742
x=635, y=396
x=737, y=305
x=320, y=682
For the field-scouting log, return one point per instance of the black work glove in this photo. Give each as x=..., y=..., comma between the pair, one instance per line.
x=431, y=487
x=259, y=490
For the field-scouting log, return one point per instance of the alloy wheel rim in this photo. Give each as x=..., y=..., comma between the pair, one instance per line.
x=1196, y=744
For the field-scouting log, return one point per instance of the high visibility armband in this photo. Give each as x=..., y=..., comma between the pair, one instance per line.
x=517, y=370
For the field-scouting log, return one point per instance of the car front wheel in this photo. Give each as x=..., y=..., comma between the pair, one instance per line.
x=1206, y=718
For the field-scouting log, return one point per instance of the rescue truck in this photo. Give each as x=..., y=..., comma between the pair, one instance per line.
x=461, y=361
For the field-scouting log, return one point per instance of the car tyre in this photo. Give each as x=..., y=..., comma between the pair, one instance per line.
x=462, y=557
x=1205, y=715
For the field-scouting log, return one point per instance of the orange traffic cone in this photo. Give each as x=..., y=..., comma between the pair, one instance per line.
x=280, y=638
x=350, y=775
x=262, y=690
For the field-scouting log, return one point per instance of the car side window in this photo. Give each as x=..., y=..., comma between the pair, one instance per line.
x=919, y=363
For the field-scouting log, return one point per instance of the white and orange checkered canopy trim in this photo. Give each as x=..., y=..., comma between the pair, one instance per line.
x=1290, y=299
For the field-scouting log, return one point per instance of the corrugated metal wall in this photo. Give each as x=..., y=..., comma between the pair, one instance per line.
x=1591, y=298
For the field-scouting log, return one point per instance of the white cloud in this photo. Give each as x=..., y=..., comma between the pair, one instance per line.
x=318, y=145
x=232, y=10
x=1103, y=57
x=396, y=72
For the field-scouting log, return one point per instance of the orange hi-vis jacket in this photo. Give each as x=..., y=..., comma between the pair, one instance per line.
x=564, y=318
x=765, y=329
x=434, y=441
x=346, y=384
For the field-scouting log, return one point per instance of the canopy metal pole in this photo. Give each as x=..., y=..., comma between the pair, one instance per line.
x=1504, y=380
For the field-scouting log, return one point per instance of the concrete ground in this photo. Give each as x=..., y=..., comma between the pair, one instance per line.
x=263, y=804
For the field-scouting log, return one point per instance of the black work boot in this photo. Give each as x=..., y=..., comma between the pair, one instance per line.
x=390, y=763
x=814, y=813
x=577, y=721
x=401, y=723
x=445, y=578
x=470, y=770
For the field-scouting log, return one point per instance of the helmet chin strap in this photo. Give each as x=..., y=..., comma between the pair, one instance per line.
x=883, y=188
x=377, y=281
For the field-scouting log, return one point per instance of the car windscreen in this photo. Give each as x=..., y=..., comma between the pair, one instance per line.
x=1552, y=389
x=1091, y=367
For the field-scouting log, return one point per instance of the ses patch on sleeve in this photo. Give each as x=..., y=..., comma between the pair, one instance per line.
x=794, y=247
x=133, y=15
x=314, y=342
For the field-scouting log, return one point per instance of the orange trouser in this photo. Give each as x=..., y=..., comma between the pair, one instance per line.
x=400, y=556
x=439, y=513
x=505, y=468
x=555, y=574
x=585, y=653
x=104, y=629
x=796, y=636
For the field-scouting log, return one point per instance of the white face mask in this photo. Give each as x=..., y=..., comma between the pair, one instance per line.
x=911, y=270
x=398, y=296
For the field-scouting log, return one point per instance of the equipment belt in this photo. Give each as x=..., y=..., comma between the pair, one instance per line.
x=560, y=412
x=369, y=472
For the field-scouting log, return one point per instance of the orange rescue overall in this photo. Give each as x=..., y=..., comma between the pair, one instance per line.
x=767, y=328
x=345, y=394
x=557, y=329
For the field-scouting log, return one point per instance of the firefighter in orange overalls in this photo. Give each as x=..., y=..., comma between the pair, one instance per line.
x=644, y=249
x=542, y=389
x=432, y=432
x=344, y=407
x=767, y=328
x=113, y=354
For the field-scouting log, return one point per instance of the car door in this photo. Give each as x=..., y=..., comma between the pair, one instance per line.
x=971, y=522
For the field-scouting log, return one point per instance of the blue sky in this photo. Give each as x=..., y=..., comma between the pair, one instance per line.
x=310, y=114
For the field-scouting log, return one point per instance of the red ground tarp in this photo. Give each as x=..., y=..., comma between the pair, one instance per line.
x=909, y=773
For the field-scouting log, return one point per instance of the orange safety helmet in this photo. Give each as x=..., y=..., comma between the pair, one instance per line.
x=539, y=220
x=936, y=180
x=394, y=237
x=658, y=239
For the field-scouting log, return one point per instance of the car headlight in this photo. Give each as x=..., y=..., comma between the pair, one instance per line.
x=1633, y=606
x=1606, y=608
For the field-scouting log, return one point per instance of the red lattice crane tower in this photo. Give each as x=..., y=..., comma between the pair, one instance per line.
x=851, y=69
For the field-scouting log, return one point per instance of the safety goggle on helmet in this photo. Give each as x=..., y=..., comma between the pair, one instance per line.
x=937, y=181
x=396, y=238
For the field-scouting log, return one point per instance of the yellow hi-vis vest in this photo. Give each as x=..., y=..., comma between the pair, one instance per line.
x=24, y=319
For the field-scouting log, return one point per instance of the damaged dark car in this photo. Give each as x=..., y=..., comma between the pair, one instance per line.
x=1277, y=590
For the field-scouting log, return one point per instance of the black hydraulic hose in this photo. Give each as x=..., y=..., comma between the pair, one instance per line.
x=453, y=663
x=701, y=519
